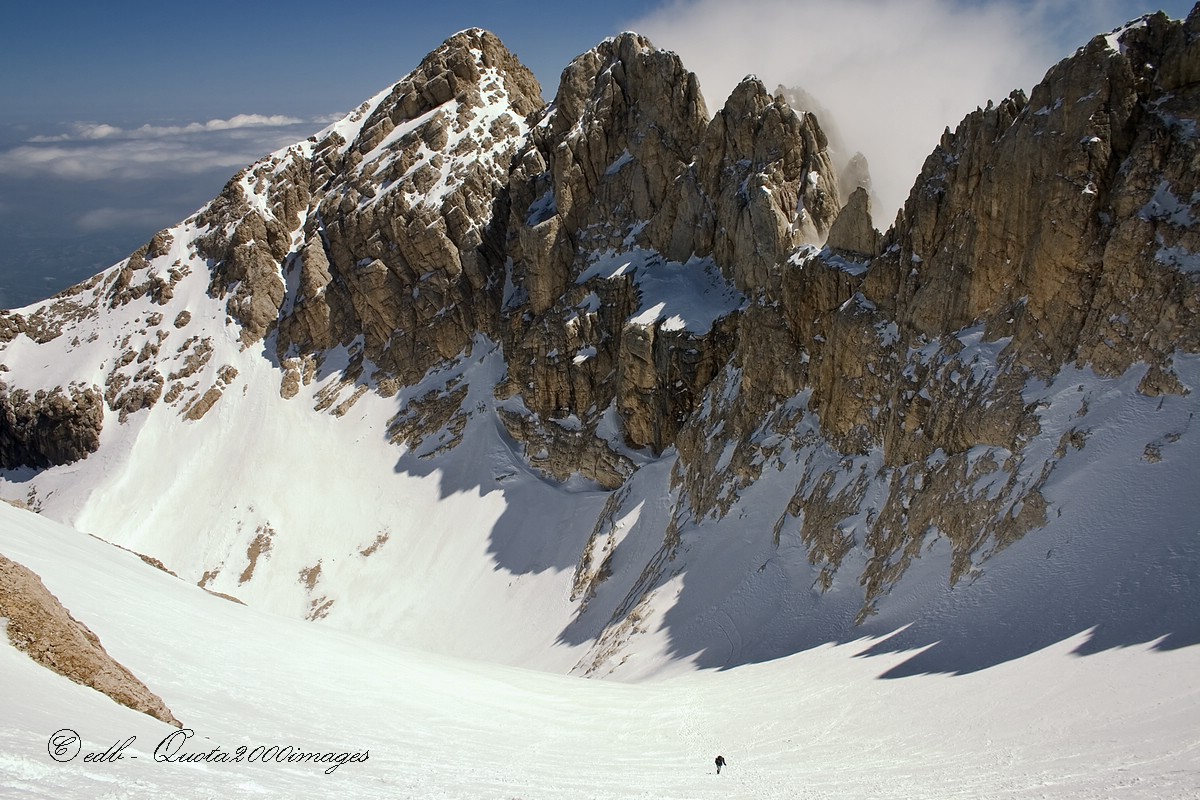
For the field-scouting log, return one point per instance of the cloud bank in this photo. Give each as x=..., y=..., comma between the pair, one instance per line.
x=893, y=73
x=88, y=131
x=104, y=152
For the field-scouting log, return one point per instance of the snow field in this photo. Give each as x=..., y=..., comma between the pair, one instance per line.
x=820, y=724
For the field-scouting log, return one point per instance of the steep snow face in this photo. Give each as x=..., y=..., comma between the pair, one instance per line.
x=318, y=516
x=1116, y=563
x=410, y=724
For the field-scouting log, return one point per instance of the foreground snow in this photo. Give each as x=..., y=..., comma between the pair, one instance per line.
x=1122, y=722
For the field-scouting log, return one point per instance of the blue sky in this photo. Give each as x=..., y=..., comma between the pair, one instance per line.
x=131, y=61
x=121, y=118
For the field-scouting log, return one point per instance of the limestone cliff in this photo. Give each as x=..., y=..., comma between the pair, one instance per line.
x=626, y=160
x=1034, y=238
x=401, y=242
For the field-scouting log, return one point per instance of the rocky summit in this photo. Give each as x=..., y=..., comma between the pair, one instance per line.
x=672, y=377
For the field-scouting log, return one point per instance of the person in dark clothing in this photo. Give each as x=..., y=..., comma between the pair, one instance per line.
x=720, y=763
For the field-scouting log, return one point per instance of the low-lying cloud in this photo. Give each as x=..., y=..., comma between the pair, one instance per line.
x=124, y=161
x=76, y=199
x=91, y=131
x=104, y=152
x=893, y=73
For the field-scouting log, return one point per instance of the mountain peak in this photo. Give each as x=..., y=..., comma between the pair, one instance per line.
x=456, y=69
x=629, y=65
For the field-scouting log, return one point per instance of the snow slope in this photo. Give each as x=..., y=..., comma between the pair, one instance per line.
x=819, y=724
x=314, y=514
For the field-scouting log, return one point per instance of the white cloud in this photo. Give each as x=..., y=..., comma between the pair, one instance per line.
x=89, y=131
x=118, y=161
x=101, y=152
x=893, y=73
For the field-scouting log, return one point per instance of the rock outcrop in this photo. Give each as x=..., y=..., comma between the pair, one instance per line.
x=852, y=232
x=624, y=125
x=1043, y=217
x=762, y=184
x=403, y=241
x=37, y=624
x=626, y=160
x=48, y=428
x=1033, y=239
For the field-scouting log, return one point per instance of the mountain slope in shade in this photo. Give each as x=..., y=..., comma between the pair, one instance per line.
x=576, y=387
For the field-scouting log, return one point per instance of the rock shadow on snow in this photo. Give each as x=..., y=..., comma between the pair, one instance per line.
x=1144, y=592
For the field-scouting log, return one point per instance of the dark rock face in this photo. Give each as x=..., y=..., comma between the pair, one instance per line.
x=852, y=232
x=763, y=184
x=627, y=158
x=625, y=123
x=49, y=428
